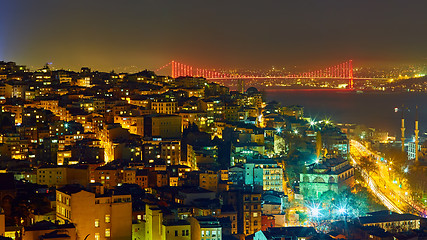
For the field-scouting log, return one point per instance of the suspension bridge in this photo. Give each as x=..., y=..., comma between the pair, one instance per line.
x=342, y=71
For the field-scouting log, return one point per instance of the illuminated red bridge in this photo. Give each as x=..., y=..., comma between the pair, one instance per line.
x=343, y=71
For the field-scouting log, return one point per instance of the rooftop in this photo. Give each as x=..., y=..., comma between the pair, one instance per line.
x=282, y=232
x=71, y=189
x=380, y=218
x=7, y=181
x=208, y=222
x=46, y=225
x=175, y=222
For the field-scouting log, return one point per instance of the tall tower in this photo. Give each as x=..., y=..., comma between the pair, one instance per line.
x=241, y=85
x=403, y=131
x=416, y=134
x=173, y=69
x=350, y=74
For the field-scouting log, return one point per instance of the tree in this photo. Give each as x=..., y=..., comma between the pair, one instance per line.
x=319, y=145
x=367, y=164
x=328, y=196
x=355, y=204
x=398, y=158
x=294, y=141
x=302, y=216
x=293, y=166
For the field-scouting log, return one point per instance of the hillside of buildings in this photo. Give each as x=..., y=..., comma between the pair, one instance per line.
x=105, y=155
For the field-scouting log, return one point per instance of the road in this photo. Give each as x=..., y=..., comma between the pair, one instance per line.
x=374, y=188
x=394, y=195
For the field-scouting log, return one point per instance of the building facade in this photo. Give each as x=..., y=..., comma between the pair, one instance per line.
x=103, y=216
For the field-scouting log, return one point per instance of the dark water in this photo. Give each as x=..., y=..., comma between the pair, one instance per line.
x=373, y=109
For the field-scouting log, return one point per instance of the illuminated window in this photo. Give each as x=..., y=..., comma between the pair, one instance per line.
x=96, y=222
x=107, y=232
x=97, y=236
x=107, y=218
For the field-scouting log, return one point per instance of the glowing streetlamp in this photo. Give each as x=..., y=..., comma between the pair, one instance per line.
x=315, y=212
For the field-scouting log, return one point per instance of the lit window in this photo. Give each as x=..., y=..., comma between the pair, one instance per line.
x=107, y=218
x=97, y=236
x=107, y=232
x=96, y=222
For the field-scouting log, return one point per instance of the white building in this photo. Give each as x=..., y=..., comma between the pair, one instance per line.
x=411, y=150
x=206, y=228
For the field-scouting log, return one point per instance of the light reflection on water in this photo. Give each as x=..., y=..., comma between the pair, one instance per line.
x=373, y=109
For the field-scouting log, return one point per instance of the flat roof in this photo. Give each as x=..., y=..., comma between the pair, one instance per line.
x=388, y=218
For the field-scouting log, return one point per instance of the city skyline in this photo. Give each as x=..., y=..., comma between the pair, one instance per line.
x=223, y=34
x=213, y=120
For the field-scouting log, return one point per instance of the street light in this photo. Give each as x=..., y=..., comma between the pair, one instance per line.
x=315, y=212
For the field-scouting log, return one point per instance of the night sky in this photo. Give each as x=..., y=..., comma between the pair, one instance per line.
x=106, y=34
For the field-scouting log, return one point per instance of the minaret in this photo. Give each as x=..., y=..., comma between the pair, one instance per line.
x=416, y=134
x=403, y=131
